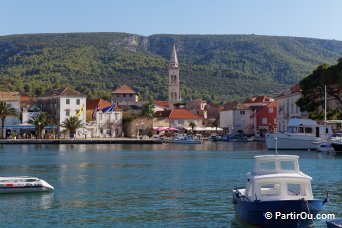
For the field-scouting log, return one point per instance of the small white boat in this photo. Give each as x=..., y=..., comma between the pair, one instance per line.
x=188, y=140
x=23, y=184
x=325, y=147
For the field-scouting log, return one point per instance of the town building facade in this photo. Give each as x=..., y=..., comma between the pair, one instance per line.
x=63, y=103
x=124, y=96
x=104, y=119
x=12, y=99
x=235, y=118
x=287, y=107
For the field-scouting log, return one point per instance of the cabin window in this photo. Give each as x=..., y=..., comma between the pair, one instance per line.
x=270, y=189
x=308, y=130
x=67, y=101
x=287, y=165
x=249, y=190
x=78, y=101
x=267, y=165
x=326, y=130
x=294, y=189
x=300, y=130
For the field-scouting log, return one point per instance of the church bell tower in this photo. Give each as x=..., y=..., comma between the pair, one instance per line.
x=174, y=94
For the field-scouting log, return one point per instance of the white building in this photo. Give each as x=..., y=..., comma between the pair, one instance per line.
x=235, y=119
x=12, y=99
x=108, y=124
x=103, y=121
x=63, y=103
x=287, y=107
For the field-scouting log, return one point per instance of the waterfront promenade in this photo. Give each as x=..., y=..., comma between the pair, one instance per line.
x=81, y=141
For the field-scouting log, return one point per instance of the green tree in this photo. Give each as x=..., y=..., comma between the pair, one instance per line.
x=147, y=110
x=5, y=110
x=72, y=123
x=40, y=121
x=313, y=87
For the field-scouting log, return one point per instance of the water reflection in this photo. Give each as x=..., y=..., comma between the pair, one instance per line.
x=157, y=185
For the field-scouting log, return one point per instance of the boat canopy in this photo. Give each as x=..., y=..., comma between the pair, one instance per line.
x=271, y=164
x=299, y=121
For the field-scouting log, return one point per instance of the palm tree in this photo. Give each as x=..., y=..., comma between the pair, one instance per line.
x=72, y=123
x=5, y=110
x=192, y=125
x=40, y=121
x=215, y=124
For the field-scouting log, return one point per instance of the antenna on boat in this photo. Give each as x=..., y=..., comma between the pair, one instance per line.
x=325, y=104
x=276, y=145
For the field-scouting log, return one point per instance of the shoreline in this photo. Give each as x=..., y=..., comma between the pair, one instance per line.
x=80, y=141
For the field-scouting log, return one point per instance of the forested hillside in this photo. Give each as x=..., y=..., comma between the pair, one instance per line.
x=213, y=67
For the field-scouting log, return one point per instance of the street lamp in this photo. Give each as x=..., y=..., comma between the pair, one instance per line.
x=142, y=129
x=39, y=123
x=137, y=130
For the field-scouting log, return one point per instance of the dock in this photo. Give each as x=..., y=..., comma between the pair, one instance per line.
x=81, y=141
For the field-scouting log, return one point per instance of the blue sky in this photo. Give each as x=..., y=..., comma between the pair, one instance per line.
x=303, y=18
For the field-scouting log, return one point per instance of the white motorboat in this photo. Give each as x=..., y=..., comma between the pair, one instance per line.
x=23, y=184
x=188, y=140
x=301, y=134
x=276, y=185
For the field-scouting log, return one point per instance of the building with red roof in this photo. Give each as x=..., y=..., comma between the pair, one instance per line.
x=263, y=119
x=124, y=95
x=177, y=118
x=104, y=119
x=235, y=118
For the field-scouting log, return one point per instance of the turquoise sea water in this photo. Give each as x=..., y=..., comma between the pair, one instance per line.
x=145, y=185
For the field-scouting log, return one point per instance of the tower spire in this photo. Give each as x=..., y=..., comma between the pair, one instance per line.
x=173, y=58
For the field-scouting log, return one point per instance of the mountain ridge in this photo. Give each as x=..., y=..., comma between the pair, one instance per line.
x=213, y=67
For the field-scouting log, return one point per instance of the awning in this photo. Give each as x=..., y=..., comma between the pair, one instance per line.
x=204, y=129
x=27, y=126
x=165, y=129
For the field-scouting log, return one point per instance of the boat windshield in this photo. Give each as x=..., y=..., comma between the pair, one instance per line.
x=276, y=164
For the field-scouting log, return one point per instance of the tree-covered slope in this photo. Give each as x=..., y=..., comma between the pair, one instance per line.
x=215, y=67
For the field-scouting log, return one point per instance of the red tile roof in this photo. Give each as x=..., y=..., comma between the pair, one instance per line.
x=233, y=106
x=162, y=114
x=67, y=92
x=27, y=99
x=296, y=88
x=258, y=99
x=124, y=90
x=9, y=96
x=183, y=114
x=162, y=103
x=92, y=104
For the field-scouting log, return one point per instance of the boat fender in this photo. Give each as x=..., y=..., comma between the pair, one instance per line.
x=326, y=199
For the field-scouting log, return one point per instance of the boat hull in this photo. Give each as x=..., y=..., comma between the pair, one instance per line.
x=253, y=212
x=24, y=189
x=337, y=146
x=23, y=185
x=290, y=141
x=188, y=142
